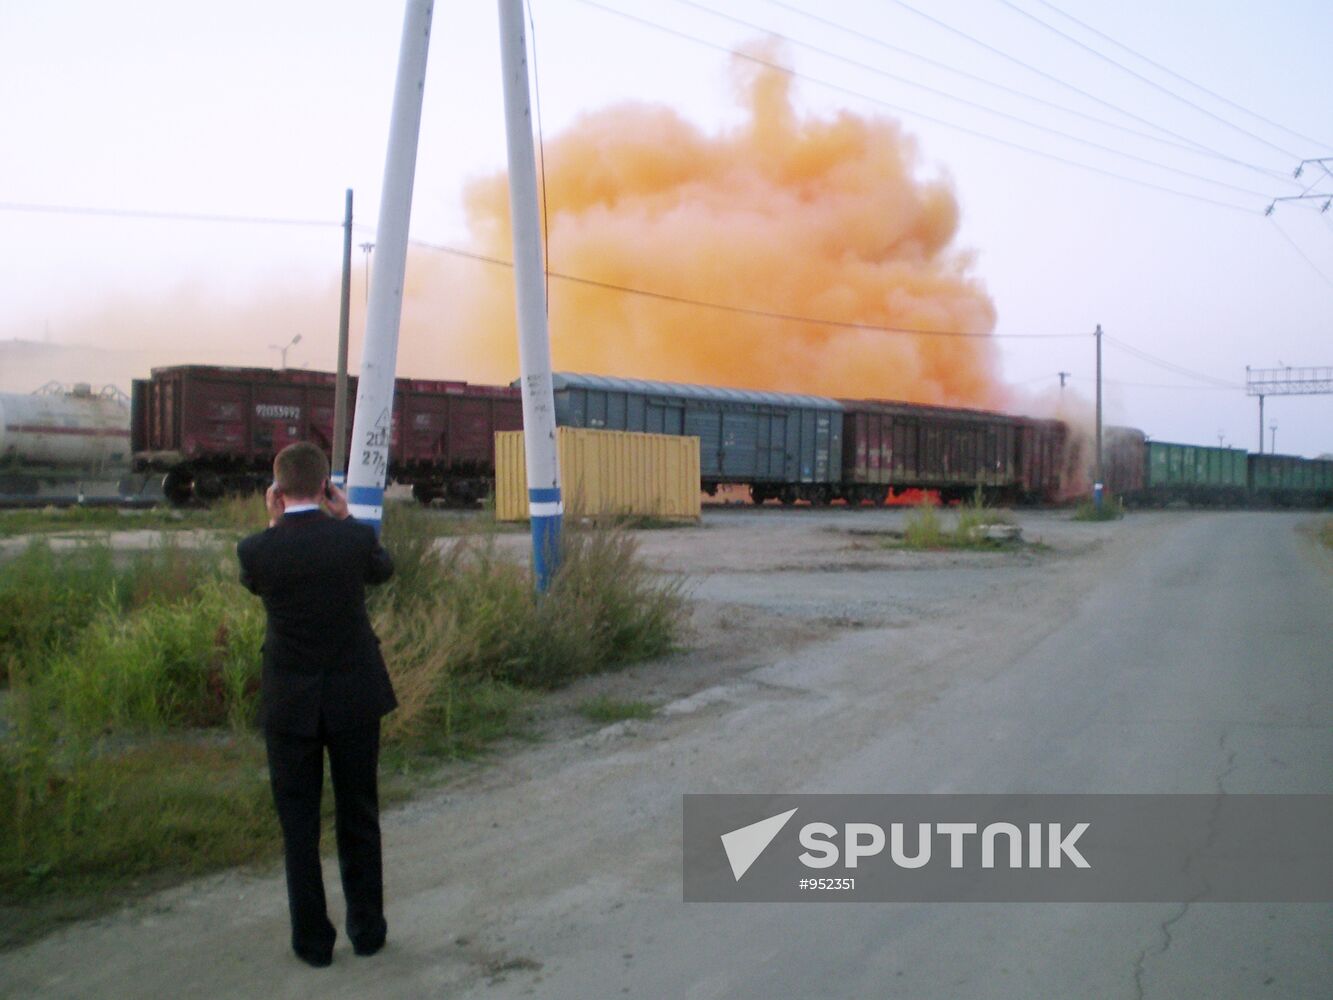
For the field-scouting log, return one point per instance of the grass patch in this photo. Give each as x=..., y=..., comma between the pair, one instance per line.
x=50, y=520
x=128, y=751
x=1112, y=509
x=231, y=515
x=101, y=820
x=926, y=529
x=1325, y=532
x=605, y=709
x=47, y=598
x=237, y=514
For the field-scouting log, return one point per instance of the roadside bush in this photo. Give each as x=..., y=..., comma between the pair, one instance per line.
x=474, y=618
x=1112, y=509
x=924, y=528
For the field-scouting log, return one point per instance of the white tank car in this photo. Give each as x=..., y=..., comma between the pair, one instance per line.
x=59, y=432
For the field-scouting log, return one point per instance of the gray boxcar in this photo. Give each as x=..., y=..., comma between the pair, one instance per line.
x=781, y=445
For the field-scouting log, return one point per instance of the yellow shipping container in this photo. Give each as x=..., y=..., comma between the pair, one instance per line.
x=605, y=473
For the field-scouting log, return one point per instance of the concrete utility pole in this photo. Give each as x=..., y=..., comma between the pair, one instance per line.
x=339, y=471
x=1097, y=485
x=1063, y=376
x=545, y=507
x=372, y=428
x=1272, y=447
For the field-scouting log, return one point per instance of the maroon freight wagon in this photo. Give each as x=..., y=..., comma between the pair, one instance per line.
x=1043, y=460
x=213, y=430
x=1124, y=459
x=901, y=446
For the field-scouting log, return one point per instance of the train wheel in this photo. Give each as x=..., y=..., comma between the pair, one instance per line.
x=788, y=496
x=758, y=495
x=207, y=487
x=177, y=487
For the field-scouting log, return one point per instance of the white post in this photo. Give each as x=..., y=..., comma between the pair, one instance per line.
x=371, y=429
x=534, y=347
x=1099, y=485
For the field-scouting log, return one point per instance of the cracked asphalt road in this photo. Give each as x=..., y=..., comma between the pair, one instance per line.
x=1189, y=652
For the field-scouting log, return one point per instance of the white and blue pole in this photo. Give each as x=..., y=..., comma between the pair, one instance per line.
x=534, y=346
x=372, y=426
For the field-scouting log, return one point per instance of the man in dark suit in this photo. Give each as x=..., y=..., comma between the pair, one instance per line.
x=324, y=687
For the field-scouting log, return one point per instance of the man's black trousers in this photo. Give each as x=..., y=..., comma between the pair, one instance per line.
x=296, y=772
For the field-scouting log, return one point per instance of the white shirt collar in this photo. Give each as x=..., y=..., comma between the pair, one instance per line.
x=300, y=508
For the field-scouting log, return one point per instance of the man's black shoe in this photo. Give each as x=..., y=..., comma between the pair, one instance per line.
x=319, y=961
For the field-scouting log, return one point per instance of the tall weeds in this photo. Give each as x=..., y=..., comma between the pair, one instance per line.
x=924, y=528
x=134, y=679
x=1112, y=509
x=470, y=618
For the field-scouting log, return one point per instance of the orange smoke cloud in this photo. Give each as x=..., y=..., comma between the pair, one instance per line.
x=804, y=216
x=786, y=213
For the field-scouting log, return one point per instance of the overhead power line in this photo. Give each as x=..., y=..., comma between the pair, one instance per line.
x=1157, y=385
x=1050, y=76
x=1139, y=76
x=1304, y=256
x=747, y=310
x=1169, y=365
x=787, y=71
x=163, y=216
x=1190, y=147
x=1170, y=72
x=1059, y=133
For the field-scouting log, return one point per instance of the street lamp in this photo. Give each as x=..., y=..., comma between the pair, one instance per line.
x=1272, y=444
x=366, y=248
x=284, y=349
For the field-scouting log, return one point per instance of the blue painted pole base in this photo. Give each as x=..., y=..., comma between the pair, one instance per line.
x=366, y=504
x=547, y=511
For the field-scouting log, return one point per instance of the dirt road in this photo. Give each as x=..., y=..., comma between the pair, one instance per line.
x=1171, y=652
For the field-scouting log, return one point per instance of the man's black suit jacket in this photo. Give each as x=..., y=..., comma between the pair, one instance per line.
x=322, y=661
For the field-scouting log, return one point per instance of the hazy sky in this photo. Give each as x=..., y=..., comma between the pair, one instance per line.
x=273, y=109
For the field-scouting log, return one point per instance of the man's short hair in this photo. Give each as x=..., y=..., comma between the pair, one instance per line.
x=301, y=469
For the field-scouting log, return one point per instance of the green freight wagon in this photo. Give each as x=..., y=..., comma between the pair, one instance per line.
x=1194, y=474
x=1291, y=481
